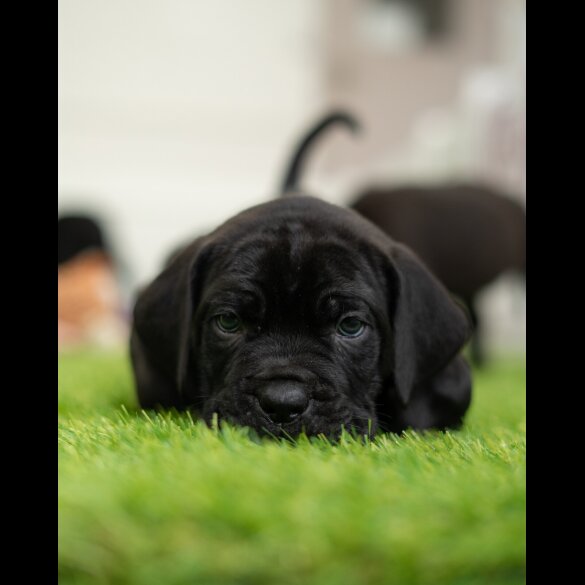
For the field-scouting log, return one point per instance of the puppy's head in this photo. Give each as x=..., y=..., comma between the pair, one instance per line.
x=296, y=316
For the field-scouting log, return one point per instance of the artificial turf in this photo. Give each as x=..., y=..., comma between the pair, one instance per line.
x=148, y=498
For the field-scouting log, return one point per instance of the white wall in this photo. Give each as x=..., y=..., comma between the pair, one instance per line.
x=175, y=114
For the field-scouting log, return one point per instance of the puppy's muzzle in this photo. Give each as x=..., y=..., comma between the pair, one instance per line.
x=282, y=400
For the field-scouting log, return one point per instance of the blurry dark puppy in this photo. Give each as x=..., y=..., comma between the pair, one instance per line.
x=297, y=315
x=467, y=234
x=77, y=234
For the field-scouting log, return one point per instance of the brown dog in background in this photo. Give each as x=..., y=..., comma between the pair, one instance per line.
x=468, y=234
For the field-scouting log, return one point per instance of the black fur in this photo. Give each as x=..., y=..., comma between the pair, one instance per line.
x=291, y=270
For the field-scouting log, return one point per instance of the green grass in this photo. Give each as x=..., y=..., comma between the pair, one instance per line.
x=158, y=499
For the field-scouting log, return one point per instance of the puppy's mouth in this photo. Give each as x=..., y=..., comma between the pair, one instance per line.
x=282, y=408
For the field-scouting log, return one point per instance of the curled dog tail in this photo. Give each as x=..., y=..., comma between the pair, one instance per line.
x=292, y=176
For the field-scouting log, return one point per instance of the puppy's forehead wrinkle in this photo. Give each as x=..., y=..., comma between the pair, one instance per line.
x=284, y=272
x=297, y=263
x=288, y=224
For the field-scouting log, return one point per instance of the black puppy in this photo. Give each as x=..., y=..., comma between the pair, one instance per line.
x=468, y=234
x=78, y=233
x=297, y=315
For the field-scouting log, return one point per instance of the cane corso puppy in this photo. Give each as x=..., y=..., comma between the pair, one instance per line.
x=297, y=315
x=468, y=234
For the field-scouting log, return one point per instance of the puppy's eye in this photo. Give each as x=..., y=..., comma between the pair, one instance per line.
x=228, y=322
x=350, y=327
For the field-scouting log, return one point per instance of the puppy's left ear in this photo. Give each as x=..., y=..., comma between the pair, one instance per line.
x=428, y=327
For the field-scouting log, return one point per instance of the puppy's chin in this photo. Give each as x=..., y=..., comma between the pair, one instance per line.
x=312, y=423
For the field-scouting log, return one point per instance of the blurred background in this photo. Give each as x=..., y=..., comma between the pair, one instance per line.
x=175, y=115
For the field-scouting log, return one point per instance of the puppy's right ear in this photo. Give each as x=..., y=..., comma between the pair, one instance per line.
x=160, y=344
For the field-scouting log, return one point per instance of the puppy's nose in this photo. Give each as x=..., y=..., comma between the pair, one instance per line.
x=283, y=401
